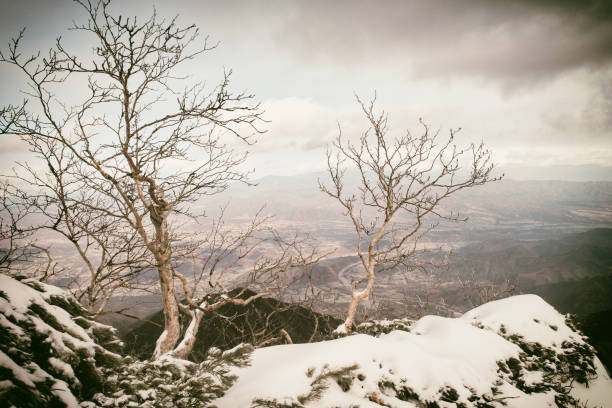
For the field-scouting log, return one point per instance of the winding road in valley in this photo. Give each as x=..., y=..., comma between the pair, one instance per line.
x=344, y=280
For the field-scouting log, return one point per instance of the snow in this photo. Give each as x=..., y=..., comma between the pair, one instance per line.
x=533, y=377
x=458, y=351
x=529, y=315
x=33, y=374
x=286, y=366
x=20, y=295
x=599, y=392
x=55, y=325
x=20, y=373
x=65, y=319
x=438, y=352
x=62, y=367
x=146, y=394
x=50, y=290
x=341, y=329
x=178, y=363
x=5, y=323
x=427, y=359
x=60, y=388
x=56, y=338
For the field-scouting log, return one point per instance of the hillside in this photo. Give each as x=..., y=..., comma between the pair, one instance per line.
x=599, y=331
x=231, y=325
x=573, y=273
x=53, y=355
x=517, y=352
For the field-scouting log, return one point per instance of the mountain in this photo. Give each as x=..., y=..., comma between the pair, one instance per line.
x=514, y=352
x=258, y=322
x=518, y=351
x=596, y=326
x=573, y=273
x=513, y=209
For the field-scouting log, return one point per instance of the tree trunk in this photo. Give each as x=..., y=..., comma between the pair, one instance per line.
x=186, y=345
x=358, y=297
x=172, y=330
x=172, y=326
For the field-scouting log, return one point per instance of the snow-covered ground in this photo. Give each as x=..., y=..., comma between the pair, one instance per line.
x=517, y=351
x=39, y=336
x=446, y=360
x=52, y=354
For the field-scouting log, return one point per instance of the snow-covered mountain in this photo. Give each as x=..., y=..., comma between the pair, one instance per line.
x=515, y=352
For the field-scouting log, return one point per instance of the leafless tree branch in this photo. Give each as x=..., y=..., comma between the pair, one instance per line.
x=402, y=183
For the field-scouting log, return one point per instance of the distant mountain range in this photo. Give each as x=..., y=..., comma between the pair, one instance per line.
x=505, y=209
x=573, y=273
x=551, y=238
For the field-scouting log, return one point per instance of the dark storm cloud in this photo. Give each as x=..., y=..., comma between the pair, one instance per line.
x=423, y=38
x=447, y=37
x=595, y=10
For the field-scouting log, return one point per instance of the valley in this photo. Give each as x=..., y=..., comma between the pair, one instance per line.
x=521, y=237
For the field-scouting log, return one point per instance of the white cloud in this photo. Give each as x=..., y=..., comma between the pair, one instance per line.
x=12, y=144
x=297, y=123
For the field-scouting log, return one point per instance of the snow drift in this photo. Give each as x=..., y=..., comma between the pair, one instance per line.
x=517, y=352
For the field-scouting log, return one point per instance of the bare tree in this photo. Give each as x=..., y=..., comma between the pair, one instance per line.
x=145, y=145
x=476, y=291
x=111, y=251
x=262, y=255
x=402, y=183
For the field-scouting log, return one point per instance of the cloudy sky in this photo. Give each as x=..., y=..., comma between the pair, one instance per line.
x=533, y=79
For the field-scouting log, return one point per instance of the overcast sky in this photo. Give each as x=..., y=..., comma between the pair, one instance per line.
x=533, y=79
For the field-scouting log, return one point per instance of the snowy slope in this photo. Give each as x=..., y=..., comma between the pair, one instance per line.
x=50, y=352
x=518, y=351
